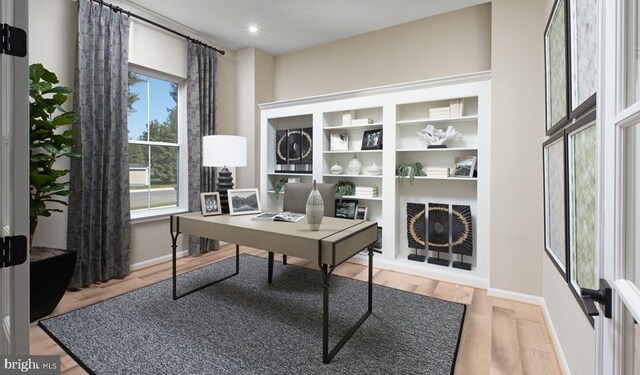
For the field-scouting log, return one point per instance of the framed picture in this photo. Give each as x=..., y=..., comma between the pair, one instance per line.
x=361, y=212
x=346, y=208
x=465, y=166
x=339, y=142
x=210, y=204
x=583, y=57
x=243, y=201
x=372, y=139
x=582, y=177
x=556, y=67
x=555, y=214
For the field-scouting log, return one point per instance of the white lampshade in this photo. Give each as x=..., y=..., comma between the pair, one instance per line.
x=224, y=151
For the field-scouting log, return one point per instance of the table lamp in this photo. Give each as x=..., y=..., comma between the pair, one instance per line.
x=224, y=151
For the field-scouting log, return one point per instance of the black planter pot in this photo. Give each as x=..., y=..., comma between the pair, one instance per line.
x=49, y=279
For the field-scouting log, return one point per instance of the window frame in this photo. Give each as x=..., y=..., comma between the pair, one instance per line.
x=150, y=214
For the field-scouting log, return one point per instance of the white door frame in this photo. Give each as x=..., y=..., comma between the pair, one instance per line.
x=14, y=108
x=614, y=117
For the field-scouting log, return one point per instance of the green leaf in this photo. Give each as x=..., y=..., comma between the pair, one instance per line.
x=59, y=89
x=64, y=119
x=41, y=158
x=72, y=154
x=62, y=193
x=35, y=72
x=49, y=77
x=59, y=99
x=51, y=148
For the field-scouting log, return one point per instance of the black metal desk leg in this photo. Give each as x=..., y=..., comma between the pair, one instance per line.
x=327, y=355
x=284, y=259
x=174, y=245
x=270, y=271
x=370, y=278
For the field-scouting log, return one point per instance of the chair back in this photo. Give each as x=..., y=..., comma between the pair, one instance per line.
x=296, y=194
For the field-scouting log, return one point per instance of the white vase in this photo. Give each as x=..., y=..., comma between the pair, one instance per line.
x=336, y=169
x=375, y=169
x=315, y=208
x=354, y=167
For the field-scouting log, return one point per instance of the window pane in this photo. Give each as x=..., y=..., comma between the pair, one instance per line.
x=164, y=176
x=582, y=190
x=138, y=176
x=153, y=109
x=631, y=333
x=632, y=53
x=631, y=202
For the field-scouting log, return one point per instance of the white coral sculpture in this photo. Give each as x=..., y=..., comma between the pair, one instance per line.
x=435, y=136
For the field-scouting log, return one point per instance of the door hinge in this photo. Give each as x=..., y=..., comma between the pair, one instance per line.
x=14, y=41
x=13, y=251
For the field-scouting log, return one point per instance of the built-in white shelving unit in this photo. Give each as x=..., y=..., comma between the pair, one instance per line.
x=400, y=111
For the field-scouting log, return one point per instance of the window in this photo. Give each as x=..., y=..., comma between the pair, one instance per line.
x=155, y=145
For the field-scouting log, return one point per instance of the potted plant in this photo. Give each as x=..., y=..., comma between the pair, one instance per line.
x=344, y=188
x=278, y=185
x=51, y=269
x=411, y=170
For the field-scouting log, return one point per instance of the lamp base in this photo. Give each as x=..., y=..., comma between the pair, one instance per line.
x=225, y=182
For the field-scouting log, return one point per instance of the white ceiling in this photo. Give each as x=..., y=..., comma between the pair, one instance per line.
x=289, y=25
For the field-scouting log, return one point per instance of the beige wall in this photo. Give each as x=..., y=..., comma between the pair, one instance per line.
x=150, y=239
x=518, y=132
x=574, y=331
x=443, y=45
x=254, y=85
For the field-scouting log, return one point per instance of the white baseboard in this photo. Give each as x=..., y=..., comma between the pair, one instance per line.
x=564, y=365
x=158, y=260
x=536, y=300
x=520, y=297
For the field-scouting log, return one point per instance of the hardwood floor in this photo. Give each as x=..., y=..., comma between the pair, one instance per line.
x=499, y=336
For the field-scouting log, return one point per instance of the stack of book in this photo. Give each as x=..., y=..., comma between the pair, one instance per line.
x=456, y=106
x=361, y=121
x=367, y=191
x=437, y=171
x=441, y=112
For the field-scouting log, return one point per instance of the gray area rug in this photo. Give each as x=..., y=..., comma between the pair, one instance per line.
x=245, y=326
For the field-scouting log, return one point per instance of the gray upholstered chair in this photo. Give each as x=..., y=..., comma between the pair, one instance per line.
x=295, y=200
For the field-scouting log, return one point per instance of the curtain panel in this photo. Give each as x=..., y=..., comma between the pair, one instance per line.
x=201, y=120
x=99, y=226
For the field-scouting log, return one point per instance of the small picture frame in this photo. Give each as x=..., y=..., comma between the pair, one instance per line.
x=372, y=139
x=339, y=142
x=362, y=213
x=346, y=208
x=465, y=166
x=210, y=204
x=244, y=201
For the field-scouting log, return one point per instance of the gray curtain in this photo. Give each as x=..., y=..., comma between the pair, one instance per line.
x=201, y=120
x=99, y=225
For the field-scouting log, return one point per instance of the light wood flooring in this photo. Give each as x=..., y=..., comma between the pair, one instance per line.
x=499, y=336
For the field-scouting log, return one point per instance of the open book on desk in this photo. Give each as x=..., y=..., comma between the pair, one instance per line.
x=290, y=217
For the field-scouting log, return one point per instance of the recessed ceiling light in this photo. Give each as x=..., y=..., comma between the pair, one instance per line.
x=253, y=29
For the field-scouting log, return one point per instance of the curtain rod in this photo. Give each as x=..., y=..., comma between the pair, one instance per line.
x=116, y=8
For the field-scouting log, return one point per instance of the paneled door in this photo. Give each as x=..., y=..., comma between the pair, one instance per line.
x=14, y=180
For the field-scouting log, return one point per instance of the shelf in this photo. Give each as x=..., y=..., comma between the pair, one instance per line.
x=443, y=178
x=348, y=127
x=352, y=175
x=344, y=196
x=436, y=149
x=436, y=120
x=358, y=197
x=291, y=174
x=354, y=151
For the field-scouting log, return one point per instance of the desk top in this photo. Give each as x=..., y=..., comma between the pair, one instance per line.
x=294, y=239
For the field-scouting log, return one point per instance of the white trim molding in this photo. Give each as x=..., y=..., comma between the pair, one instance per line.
x=158, y=260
